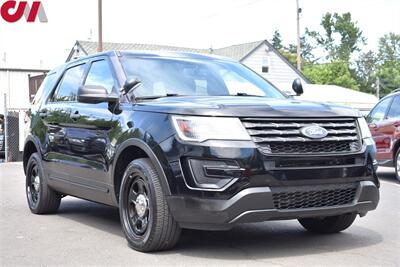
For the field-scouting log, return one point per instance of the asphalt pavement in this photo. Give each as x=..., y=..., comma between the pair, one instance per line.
x=85, y=233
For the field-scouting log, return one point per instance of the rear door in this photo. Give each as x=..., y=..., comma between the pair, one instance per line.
x=89, y=135
x=381, y=128
x=393, y=123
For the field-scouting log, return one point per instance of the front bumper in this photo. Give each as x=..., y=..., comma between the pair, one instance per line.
x=249, y=196
x=257, y=205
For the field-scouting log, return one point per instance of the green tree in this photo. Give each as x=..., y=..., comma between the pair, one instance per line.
x=365, y=71
x=334, y=73
x=277, y=40
x=306, y=50
x=291, y=57
x=340, y=36
x=388, y=68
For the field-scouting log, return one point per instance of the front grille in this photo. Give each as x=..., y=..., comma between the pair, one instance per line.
x=285, y=137
x=317, y=198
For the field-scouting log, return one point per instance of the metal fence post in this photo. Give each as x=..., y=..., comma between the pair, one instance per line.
x=5, y=129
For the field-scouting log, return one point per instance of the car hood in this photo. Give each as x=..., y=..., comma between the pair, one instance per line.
x=244, y=106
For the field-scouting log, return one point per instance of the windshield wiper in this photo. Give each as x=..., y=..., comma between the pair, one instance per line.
x=152, y=97
x=246, y=94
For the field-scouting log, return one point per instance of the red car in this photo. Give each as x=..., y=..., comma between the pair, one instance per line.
x=384, y=123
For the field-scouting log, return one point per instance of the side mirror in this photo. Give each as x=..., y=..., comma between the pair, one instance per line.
x=94, y=94
x=130, y=85
x=297, y=87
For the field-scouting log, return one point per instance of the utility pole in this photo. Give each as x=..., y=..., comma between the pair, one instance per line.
x=100, y=17
x=298, y=11
x=378, y=84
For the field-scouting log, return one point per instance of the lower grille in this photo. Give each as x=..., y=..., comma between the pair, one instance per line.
x=311, y=147
x=304, y=199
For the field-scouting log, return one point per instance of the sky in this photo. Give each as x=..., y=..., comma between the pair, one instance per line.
x=197, y=24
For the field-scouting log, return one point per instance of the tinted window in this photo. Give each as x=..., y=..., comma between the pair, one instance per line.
x=44, y=89
x=394, y=111
x=100, y=74
x=162, y=76
x=68, y=88
x=379, y=112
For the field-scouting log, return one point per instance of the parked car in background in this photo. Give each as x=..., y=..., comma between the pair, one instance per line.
x=384, y=123
x=2, y=137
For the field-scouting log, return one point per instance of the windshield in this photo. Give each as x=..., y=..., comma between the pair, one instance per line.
x=188, y=77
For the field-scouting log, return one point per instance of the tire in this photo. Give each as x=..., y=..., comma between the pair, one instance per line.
x=41, y=198
x=397, y=165
x=145, y=216
x=328, y=225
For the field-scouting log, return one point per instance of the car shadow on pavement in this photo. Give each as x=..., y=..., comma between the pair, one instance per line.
x=387, y=174
x=270, y=240
x=92, y=214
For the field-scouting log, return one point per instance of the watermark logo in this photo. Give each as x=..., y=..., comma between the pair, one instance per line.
x=13, y=11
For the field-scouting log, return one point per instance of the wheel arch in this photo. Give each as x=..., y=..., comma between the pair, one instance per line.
x=396, y=147
x=129, y=150
x=30, y=147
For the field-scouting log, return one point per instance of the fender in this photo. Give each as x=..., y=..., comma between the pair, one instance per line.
x=147, y=149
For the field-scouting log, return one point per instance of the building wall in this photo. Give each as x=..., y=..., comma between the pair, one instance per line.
x=279, y=72
x=16, y=85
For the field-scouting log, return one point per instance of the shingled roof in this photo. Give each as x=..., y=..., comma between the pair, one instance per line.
x=237, y=52
x=90, y=48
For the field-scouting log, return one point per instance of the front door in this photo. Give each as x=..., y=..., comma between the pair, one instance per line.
x=381, y=129
x=89, y=134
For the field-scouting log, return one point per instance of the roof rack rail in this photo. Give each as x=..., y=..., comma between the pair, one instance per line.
x=396, y=90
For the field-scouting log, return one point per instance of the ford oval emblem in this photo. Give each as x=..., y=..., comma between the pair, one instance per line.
x=314, y=132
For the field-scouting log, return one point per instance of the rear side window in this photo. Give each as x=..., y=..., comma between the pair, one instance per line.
x=394, y=111
x=45, y=88
x=100, y=74
x=68, y=88
x=379, y=112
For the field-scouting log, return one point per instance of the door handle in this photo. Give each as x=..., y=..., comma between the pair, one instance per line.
x=75, y=116
x=43, y=113
x=373, y=126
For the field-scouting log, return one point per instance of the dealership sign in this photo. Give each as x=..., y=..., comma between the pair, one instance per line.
x=13, y=11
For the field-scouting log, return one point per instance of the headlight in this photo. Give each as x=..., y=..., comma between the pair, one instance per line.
x=199, y=129
x=365, y=132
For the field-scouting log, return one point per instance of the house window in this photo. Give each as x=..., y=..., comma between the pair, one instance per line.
x=265, y=65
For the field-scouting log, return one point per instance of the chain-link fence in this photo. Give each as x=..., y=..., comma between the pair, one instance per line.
x=14, y=132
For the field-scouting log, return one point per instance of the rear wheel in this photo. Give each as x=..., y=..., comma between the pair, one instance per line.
x=397, y=164
x=145, y=217
x=41, y=198
x=328, y=225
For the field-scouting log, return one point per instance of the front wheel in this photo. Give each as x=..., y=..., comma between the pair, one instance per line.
x=145, y=217
x=328, y=225
x=397, y=164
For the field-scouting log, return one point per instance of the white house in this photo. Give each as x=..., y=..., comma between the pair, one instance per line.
x=19, y=84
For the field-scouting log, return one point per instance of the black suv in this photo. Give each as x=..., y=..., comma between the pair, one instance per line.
x=180, y=140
